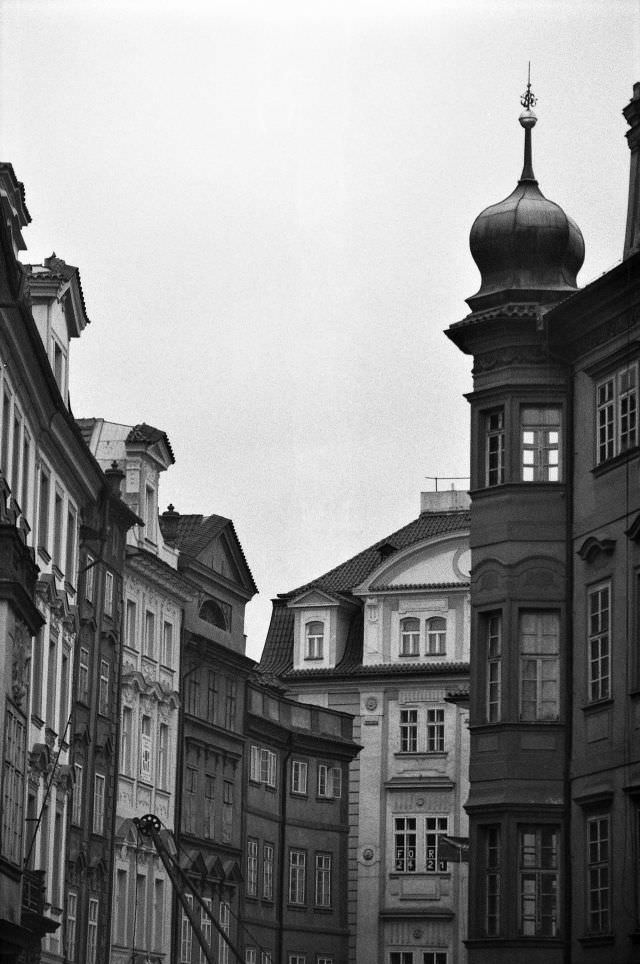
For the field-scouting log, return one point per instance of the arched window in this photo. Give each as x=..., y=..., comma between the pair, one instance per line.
x=315, y=640
x=410, y=636
x=436, y=636
x=211, y=612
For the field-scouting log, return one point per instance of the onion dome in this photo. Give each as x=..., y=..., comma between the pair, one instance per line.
x=526, y=247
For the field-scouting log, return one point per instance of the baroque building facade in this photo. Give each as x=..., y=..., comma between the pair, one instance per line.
x=554, y=772
x=151, y=608
x=385, y=637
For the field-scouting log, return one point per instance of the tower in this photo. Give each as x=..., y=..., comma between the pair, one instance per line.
x=528, y=252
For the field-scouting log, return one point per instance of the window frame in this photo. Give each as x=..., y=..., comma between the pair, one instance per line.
x=435, y=825
x=436, y=730
x=329, y=785
x=542, y=464
x=109, y=585
x=409, y=730
x=323, y=879
x=299, y=777
x=99, y=791
x=409, y=636
x=268, y=861
x=542, y=660
x=405, y=844
x=436, y=637
x=314, y=641
x=297, y=889
x=610, y=432
x=598, y=875
x=493, y=625
x=540, y=876
x=599, y=643
x=252, y=867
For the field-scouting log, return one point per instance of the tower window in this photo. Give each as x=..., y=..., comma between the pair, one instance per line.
x=494, y=447
x=540, y=444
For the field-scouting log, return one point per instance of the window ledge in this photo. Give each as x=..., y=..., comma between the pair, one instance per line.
x=597, y=705
x=603, y=467
x=313, y=659
x=596, y=940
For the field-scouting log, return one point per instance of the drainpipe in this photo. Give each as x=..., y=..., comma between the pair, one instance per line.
x=282, y=842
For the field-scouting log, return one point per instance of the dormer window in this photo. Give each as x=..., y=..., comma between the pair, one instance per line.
x=314, y=640
x=436, y=636
x=212, y=612
x=540, y=444
x=410, y=637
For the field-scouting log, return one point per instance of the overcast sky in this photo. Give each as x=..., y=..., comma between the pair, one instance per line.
x=270, y=205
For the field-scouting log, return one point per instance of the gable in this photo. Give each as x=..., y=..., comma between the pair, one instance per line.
x=429, y=563
x=313, y=599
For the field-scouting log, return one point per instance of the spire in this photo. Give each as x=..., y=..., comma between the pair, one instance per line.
x=528, y=120
x=632, y=116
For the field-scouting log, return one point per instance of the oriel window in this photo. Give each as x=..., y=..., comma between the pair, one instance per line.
x=541, y=444
x=494, y=447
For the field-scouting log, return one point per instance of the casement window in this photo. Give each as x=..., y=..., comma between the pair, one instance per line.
x=209, y=807
x=159, y=914
x=83, y=675
x=108, y=593
x=26, y=472
x=539, y=904
x=436, y=636
x=494, y=447
x=435, y=731
x=70, y=556
x=126, y=740
x=58, y=506
x=323, y=880
x=434, y=826
x=63, y=708
x=250, y=955
x=410, y=636
x=193, y=695
x=76, y=810
x=212, y=695
x=52, y=673
x=149, y=633
x=70, y=926
x=297, y=876
x=228, y=793
x=162, y=771
x=230, y=703
x=493, y=636
x=617, y=413
x=15, y=459
x=599, y=643
x=405, y=845
x=223, y=921
x=103, y=692
x=186, y=933
x=252, y=867
x=150, y=514
x=190, y=814
x=131, y=624
x=322, y=959
x=13, y=786
x=267, y=871
x=262, y=766
x=120, y=918
x=314, y=640
x=92, y=931
x=205, y=926
x=408, y=731
x=598, y=874
x=167, y=644
x=434, y=957
x=401, y=957
x=44, y=491
x=145, y=747
x=89, y=577
x=298, y=776
x=541, y=444
x=98, y=803
x=539, y=666
x=329, y=781
x=493, y=881
x=297, y=959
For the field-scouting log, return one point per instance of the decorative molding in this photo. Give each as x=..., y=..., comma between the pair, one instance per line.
x=509, y=357
x=592, y=547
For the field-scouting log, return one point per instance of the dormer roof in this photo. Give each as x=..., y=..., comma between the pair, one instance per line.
x=57, y=279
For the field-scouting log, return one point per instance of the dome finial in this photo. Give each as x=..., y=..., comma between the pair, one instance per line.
x=528, y=120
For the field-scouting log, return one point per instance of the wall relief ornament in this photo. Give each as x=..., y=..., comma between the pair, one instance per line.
x=20, y=653
x=509, y=357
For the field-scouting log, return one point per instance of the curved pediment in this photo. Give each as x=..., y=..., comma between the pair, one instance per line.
x=430, y=564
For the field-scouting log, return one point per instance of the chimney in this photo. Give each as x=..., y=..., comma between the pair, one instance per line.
x=451, y=500
x=632, y=116
x=169, y=524
x=114, y=479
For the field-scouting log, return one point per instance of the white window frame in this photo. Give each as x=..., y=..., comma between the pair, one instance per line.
x=224, y=919
x=131, y=626
x=297, y=876
x=99, y=787
x=76, y=804
x=599, y=642
x=539, y=667
x=167, y=643
x=314, y=639
x=299, y=770
x=436, y=636
x=409, y=731
x=71, y=926
x=146, y=748
x=13, y=786
x=103, y=691
x=434, y=826
x=323, y=880
x=493, y=638
x=89, y=577
x=329, y=781
x=92, y=930
x=108, y=593
x=435, y=730
x=405, y=845
x=538, y=879
x=252, y=867
x=598, y=854
x=409, y=636
x=83, y=675
x=268, y=855
x=149, y=633
x=206, y=926
x=616, y=413
x=186, y=933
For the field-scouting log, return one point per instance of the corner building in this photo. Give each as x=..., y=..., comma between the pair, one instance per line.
x=528, y=252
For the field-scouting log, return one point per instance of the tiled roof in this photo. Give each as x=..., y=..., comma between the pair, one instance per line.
x=355, y=570
x=420, y=585
x=277, y=656
x=148, y=434
x=196, y=531
x=382, y=669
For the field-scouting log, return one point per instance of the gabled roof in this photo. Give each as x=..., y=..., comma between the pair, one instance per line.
x=147, y=434
x=355, y=570
x=194, y=532
x=277, y=656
